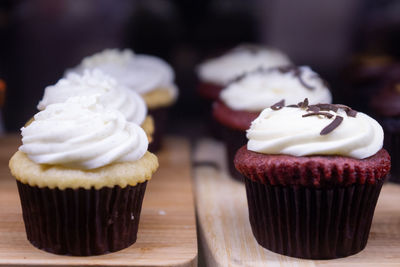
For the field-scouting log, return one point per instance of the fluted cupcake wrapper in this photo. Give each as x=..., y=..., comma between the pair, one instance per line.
x=312, y=223
x=81, y=222
x=160, y=116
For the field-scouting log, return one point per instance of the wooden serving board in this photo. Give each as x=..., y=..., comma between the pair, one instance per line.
x=225, y=232
x=167, y=230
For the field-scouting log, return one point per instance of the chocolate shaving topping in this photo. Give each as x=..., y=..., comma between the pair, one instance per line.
x=351, y=113
x=313, y=108
x=328, y=107
x=320, y=110
x=286, y=69
x=332, y=126
x=309, y=87
x=343, y=106
x=326, y=114
x=296, y=71
x=278, y=105
x=245, y=74
x=303, y=104
x=302, y=82
x=298, y=74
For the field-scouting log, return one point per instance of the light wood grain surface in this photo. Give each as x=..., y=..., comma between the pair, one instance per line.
x=167, y=230
x=226, y=235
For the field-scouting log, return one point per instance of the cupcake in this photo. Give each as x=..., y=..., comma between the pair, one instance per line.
x=112, y=95
x=81, y=173
x=243, y=100
x=147, y=75
x=313, y=174
x=386, y=106
x=364, y=75
x=216, y=73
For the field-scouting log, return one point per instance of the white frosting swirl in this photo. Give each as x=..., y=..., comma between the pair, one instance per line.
x=285, y=131
x=141, y=73
x=263, y=88
x=81, y=133
x=223, y=69
x=111, y=94
x=108, y=56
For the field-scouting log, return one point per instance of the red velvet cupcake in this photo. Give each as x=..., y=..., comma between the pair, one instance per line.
x=214, y=74
x=243, y=100
x=313, y=175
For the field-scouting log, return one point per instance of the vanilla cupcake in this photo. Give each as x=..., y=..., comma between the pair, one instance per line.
x=81, y=174
x=243, y=100
x=147, y=75
x=112, y=95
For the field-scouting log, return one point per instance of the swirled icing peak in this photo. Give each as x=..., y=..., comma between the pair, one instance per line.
x=324, y=129
x=81, y=133
x=242, y=59
x=138, y=72
x=262, y=88
x=111, y=94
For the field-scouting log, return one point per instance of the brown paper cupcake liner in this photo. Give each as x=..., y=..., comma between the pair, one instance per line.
x=160, y=116
x=312, y=223
x=81, y=222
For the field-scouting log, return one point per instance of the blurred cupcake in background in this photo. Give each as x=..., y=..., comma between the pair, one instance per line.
x=385, y=104
x=216, y=73
x=243, y=100
x=147, y=75
x=112, y=95
x=364, y=75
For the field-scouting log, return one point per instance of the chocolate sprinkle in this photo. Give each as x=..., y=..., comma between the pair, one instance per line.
x=296, y=71
x=326, y=114
x=351, y=113
x=309, y=87
x=320, y=109
x=298, y=74
x=328, y=107
x=332, y=126
x=313, y=108
x=278, y=105
x=303, y=104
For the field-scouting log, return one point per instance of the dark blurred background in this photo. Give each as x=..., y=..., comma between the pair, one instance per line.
x=347, y=41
